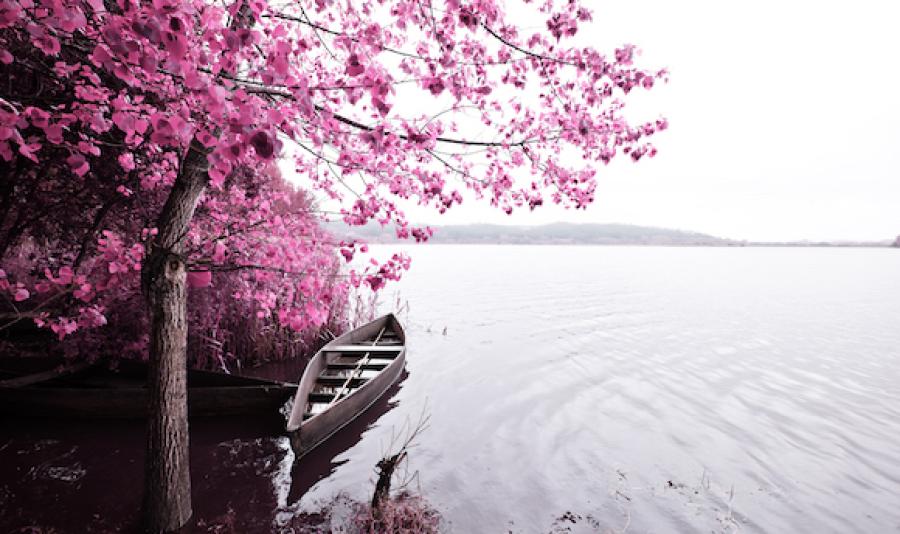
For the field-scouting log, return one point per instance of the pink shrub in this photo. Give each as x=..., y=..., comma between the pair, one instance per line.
x=272, y=281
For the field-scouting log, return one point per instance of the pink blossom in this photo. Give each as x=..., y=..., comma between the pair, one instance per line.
x=43, y=40
x=29, y=150
x=435, y=86
x=170, y=130
x=54, y=133
x=37, y=117
x=149, y=81
x=63, y=327
x=354, y=68
x=78, y=164
x=84, y=293
x=65, y=276
x=69, y=18
x=9, y=13
x=126, y=160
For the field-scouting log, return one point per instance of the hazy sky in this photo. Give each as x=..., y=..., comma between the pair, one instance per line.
x=784, y=121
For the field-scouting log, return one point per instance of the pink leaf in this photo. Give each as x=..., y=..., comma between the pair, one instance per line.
x=198, y=279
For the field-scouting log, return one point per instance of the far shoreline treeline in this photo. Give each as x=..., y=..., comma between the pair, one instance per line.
x=576, y=234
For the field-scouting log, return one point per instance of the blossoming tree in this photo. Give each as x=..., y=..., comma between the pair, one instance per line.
x=378, y=104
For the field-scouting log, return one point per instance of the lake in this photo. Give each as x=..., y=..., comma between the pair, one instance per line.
x=649, y=388
x=569, y=389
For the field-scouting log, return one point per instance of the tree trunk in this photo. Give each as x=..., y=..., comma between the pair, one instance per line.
x=167, y=495
x=167, y=482
x=167, y=478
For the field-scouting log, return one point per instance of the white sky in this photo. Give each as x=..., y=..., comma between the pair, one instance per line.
x=784, y=121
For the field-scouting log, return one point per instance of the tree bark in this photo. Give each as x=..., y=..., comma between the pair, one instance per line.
x=167, y=479
x=167, y=495
x=167, y=483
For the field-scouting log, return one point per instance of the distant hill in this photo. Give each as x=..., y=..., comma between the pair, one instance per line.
x=548, y=234
x=575, y=234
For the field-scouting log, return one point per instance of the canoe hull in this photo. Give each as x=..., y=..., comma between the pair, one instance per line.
x=308, y=434
x=97, y=392
x=132, y=402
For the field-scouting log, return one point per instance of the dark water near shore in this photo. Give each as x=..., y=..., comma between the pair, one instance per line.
x=591, y=388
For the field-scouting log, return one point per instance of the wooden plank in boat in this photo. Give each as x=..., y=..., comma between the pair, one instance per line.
x=340, y=381
x=322, y=397
x=352, y=366
x=373, y=359
x=363, y=348
x=375, y=351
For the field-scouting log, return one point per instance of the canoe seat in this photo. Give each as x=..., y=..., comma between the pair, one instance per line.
x=362, y=348
x=374, y=357
x=338, y=381
x=351, y=366
x=323, y=398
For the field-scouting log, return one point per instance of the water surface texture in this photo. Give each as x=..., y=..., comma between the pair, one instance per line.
x=649, y=389
x=569, y=389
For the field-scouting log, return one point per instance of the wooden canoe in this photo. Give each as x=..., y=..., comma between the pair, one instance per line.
x=343, y=379
x=41, y=387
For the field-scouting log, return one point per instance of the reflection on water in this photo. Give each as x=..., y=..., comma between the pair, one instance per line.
x=570, y=389
x=324, y=459
x=90, y=472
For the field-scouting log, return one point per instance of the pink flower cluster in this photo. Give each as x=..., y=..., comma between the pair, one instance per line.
x=125, y=90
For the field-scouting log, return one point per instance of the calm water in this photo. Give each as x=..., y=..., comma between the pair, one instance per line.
x=636, y=389
x=662, y=389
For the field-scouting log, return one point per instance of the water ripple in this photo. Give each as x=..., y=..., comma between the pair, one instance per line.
x=672, y=390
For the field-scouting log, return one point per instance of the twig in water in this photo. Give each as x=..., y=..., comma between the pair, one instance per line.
x=388, y=464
